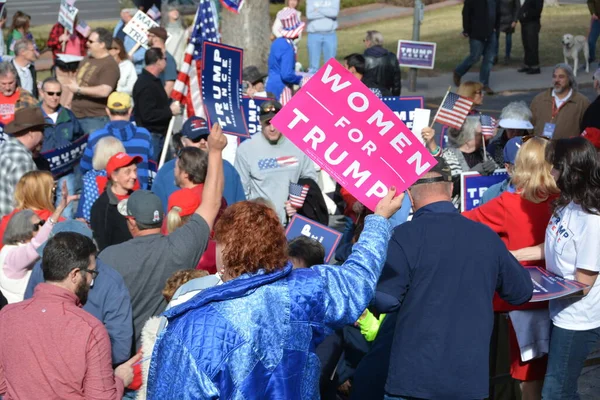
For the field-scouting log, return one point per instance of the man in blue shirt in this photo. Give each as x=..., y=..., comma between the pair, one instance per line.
x=108, y=298
x=194, y=133
x=440, y=277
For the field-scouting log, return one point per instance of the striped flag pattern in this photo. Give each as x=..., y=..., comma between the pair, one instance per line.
x=454, y=110
x=488, y=125
x=298, y=194
x=187, y=86
x=83, y=28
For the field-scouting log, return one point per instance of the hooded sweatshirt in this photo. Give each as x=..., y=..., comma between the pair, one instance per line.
x=322, y=15
x=137, y=142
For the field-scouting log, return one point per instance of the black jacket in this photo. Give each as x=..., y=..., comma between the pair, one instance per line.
x=382, y=69
x=591, y=116
x=34, y=92
x=152, y=105
x=531, y=11
x=476, y=19
x=509, y=13
x=108, y=225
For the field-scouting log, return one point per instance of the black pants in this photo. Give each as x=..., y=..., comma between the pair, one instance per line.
x=530, y=34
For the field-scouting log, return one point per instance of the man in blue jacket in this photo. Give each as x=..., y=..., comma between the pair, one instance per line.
x=194, y=133
x=137, y=140
x=108, y=298
x=61, y=130
x=441, y=273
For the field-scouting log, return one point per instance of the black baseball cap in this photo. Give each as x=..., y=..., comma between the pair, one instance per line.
x=441, y=168
x=269, y=109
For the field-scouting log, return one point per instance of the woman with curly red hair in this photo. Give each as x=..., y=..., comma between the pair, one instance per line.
x=255, y=335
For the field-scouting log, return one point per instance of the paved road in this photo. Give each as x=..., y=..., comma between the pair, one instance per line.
x=46, y=11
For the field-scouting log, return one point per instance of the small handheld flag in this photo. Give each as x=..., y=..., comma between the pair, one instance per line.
x=454, y=110
x=488, y=125
x=83, y=28
x=298, y=194
x=154, y=13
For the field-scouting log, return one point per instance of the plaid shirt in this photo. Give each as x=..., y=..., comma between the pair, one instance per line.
x=15, y=161
x=56, y=45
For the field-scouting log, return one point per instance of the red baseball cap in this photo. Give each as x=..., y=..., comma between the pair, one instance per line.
x=593, y=135
x=121, y=160
x=186, y=199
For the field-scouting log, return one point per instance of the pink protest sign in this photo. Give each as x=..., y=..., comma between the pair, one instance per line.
x=342, y=126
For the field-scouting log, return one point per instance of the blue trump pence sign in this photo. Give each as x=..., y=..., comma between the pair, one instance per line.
x=302, y=226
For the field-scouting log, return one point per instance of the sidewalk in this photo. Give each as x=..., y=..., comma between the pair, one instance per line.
x=503, y=82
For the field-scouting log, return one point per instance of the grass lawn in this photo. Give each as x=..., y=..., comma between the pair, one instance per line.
x=444, y=26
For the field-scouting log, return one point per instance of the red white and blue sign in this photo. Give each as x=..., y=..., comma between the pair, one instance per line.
x=416, y=54
x=63, y=160
x=548, y=286
x=222, y=87
x=302, y=226
x=473, y=186
x=251, y=106
x=404, y=107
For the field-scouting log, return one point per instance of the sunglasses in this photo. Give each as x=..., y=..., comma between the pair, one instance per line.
x=91, y=271
x=528, y=137
x=38, y=225
x=54, y=93
x=269, y=108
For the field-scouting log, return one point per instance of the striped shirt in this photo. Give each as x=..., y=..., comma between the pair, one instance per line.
x=15, y=161
x=137, y=142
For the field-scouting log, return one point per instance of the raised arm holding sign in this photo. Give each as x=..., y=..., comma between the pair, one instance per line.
x=137, y=29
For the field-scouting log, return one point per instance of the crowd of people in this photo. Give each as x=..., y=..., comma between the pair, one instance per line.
x=119, y=279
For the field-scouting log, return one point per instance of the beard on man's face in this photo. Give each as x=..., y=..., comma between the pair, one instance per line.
x=82, y=291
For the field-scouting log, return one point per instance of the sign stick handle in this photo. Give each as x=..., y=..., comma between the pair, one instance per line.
x=484, y=152
x=441, y=104
x=64, y=46
x=134, y=49
x=163, y=155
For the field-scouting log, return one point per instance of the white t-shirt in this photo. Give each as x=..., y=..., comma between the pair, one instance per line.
x=573, y=242
x=53, y=116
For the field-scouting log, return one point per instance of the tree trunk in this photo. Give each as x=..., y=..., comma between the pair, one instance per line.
x=249, y=30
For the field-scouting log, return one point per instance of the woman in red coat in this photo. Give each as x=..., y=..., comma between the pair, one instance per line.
x=520, y=216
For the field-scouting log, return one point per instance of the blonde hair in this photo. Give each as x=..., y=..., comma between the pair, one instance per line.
x=175, y=220
x=34, y=191
x=531, y=176
x=468, y=89
x=106, y=148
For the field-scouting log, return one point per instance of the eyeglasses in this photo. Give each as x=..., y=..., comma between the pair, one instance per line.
x=527, y=137
x=54, y=93
x=38, y=225
x=94, y=272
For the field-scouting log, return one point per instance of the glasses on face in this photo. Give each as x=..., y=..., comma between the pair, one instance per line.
x=54, y=93
x=93, y=272
x=528, y=137
x=38, y=225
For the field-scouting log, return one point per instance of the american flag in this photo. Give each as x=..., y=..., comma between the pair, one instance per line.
x=187, y=86
x=83, y=28
x=279, y=162
x=154, y=13
x=298, y=194
x=454, y=110
x=488, y=125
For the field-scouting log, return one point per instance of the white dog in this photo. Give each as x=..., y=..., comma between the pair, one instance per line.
x=572, y=45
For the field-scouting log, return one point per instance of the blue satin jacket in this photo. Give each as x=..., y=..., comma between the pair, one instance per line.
x=255, y=337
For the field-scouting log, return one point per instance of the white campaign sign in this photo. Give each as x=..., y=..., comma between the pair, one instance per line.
x=138, y=27
x=67, y=14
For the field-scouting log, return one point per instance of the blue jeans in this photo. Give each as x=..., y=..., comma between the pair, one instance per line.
x=477, y=48
x=568, y=351
x=593, y=38
x=508, y=47
x=317, y=43
x=389, y=397
x=92, y=124
x=74, y=185
x=158, y=142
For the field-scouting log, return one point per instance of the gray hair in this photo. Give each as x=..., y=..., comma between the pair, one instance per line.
x=22, y=45
x=375, y=37
x=106, y=148
x=6, y=67
x=516, y=110
x=130, y=11
x=458, y=137
x=569, y=71
x=19, y=228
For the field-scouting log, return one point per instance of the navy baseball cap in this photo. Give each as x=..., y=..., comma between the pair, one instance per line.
x=194, y=128
x=511, y=149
